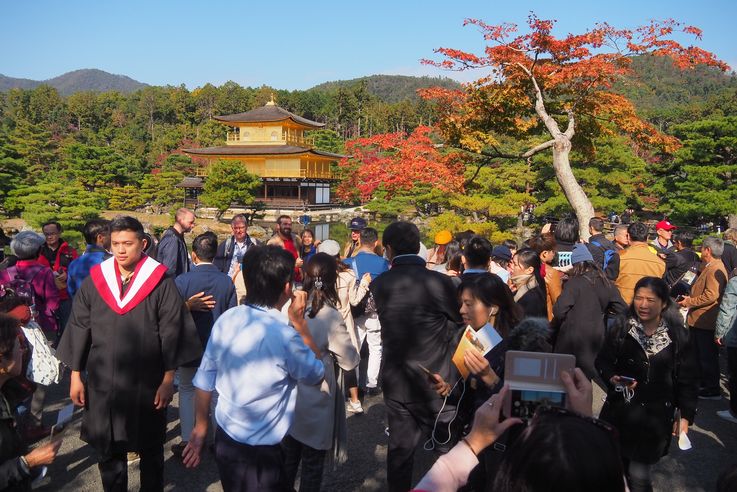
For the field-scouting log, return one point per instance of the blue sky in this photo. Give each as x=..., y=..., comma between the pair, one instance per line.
x=295, y=45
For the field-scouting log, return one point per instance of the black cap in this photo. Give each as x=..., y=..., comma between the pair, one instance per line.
x=357, y=224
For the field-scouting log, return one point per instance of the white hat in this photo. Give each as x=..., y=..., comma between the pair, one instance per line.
x=329, y=246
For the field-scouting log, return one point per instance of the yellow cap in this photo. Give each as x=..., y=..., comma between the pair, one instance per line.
x=443, y=237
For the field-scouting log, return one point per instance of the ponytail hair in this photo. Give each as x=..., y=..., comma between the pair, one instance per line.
x=321, y=279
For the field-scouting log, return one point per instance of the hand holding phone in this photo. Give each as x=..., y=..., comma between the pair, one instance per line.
x=429, y=374
x=436, y=380
x=624, y=381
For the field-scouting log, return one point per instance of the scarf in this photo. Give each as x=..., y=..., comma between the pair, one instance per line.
x=524, y=284
x=654, y=344
x=120, y=297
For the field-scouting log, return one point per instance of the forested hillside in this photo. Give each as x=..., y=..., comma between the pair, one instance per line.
x=390, y=88
x=666, y=95
x=77, y=81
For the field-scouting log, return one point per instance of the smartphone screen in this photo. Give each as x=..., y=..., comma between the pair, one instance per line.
x=525, y=402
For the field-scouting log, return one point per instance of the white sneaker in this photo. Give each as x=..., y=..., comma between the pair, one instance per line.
x=354, y=407
x=727, y=415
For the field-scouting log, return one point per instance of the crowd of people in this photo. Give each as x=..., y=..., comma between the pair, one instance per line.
x=263, y=343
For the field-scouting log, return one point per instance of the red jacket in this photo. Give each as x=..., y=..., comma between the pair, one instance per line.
x=61, y=264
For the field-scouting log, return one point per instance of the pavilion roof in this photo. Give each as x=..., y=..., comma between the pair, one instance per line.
x=266, y=114
x=254, y=150
x=190, y=182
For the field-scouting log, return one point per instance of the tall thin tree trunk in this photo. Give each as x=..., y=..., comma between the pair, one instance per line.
x=572, y=190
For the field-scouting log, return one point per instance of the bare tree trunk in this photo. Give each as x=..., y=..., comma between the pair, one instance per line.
x=572, y=190
x=561, y=144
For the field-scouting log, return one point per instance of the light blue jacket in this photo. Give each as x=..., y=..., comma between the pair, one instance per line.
x=727, y=319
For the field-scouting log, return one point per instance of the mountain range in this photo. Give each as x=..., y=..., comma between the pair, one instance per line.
x=87, y=79
x=656, y=84
x=388, y=88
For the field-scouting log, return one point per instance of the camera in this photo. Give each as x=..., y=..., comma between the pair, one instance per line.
x=534, y=380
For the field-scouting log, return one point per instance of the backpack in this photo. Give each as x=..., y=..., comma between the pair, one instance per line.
x=367, y=306
x=608, y=254
x=21, y=287
x=564, y=259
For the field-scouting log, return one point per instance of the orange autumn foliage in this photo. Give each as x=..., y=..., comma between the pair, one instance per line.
x=574, y=74
x=397, y=162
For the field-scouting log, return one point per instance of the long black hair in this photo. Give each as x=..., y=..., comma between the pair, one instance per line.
x=453, y=256
x=321, y=279
x=583, y=267
x=489, y=289
x=528, y=257
x=561, y=452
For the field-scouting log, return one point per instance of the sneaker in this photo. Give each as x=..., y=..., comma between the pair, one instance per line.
x=354, y=406
x=709, y=395
x=133, y=458
x=727, y=415
x=178, y=449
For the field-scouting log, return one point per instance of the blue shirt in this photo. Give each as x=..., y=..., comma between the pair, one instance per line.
x=205, y=277
x=79, y=269
x=254, y=360
x=368, y=263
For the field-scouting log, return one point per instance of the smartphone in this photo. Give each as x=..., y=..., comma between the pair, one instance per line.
x=429, y=374
x=534, y=380
x=626, y=380
x=680, y=298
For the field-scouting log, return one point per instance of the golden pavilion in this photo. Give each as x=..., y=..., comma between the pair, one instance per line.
x=270, y=142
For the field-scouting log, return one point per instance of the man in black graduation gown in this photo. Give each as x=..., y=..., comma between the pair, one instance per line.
x=129, y=330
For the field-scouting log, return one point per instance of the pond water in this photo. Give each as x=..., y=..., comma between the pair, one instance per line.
x=332, y=230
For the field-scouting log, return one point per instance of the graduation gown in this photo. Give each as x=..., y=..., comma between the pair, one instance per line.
x=125, y=348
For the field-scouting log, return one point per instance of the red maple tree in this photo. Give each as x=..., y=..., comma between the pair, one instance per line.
x=396, y=163
x=542, y=89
